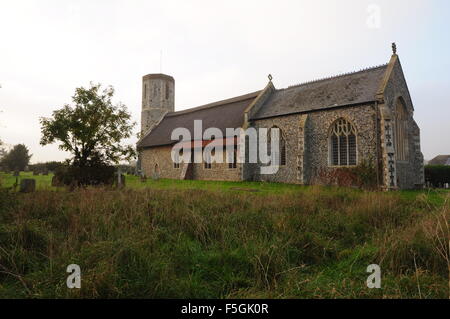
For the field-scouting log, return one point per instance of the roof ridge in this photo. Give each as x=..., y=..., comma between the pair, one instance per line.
x=442, y=155
x=336, y=76
x=217, y=103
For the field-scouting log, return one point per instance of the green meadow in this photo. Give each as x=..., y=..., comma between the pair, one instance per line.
x=199, y=239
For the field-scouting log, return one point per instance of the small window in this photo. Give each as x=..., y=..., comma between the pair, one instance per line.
x=342, y=143
x=233, y=162
x=176, y=163
x=167, y=91
x=208, y=160
x=282, y=152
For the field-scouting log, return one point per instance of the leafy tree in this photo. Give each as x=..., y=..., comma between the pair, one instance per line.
x=91, y=129
x=2, y=150
x=16, y=159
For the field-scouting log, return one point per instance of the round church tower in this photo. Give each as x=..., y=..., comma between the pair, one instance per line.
x=158, y=98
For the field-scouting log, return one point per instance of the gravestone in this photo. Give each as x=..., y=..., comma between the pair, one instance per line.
x=27, y=185
x=155, y=176
x=35, y=173
x=120, y=180
x=143, y=179
x=45, y=173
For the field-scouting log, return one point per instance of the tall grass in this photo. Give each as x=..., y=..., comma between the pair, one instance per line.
x=311, y=243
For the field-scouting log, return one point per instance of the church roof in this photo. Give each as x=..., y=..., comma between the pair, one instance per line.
x=222, y=115
x=440, y=160
x=343, y=90
x=347, y=89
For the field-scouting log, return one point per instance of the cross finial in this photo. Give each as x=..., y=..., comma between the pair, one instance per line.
x=270, y=77
x=394, y=48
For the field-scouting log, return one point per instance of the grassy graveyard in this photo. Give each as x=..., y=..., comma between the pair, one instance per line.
x=198, y=239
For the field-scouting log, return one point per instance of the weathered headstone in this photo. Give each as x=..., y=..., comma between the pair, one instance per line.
x=35, y=173
x=27, y=185
x=143, y=179
x=45, y=173
x=121, y=180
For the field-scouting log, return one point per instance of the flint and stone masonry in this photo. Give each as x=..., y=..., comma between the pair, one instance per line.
x=370, y=100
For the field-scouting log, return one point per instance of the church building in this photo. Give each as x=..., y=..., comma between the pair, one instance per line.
x=324, y=125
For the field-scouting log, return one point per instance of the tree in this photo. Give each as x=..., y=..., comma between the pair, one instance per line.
x=2, y=150
x=92, y=129
x=17, y=159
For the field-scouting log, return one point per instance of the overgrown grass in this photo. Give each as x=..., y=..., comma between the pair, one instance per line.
x=208, y=240
x=261, y=188
x=134, y=182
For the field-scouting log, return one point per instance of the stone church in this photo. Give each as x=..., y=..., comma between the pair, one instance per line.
x=323, y=125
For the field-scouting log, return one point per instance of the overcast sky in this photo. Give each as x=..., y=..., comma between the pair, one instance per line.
x=214, y=50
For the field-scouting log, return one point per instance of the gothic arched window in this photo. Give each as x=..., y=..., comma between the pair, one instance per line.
x=167, y=91
x=282, y=146
x=401, y=134
x=232, y=161
x=342, y=145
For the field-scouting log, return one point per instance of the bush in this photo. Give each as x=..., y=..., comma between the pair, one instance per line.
x=41, y=168
x=84, y=176
x=362, y=176
x=437, y=175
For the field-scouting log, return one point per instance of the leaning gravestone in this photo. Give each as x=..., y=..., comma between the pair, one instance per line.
x=27, y=185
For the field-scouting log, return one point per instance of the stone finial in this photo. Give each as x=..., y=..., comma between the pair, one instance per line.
x=270, y=77
x=394, y=48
